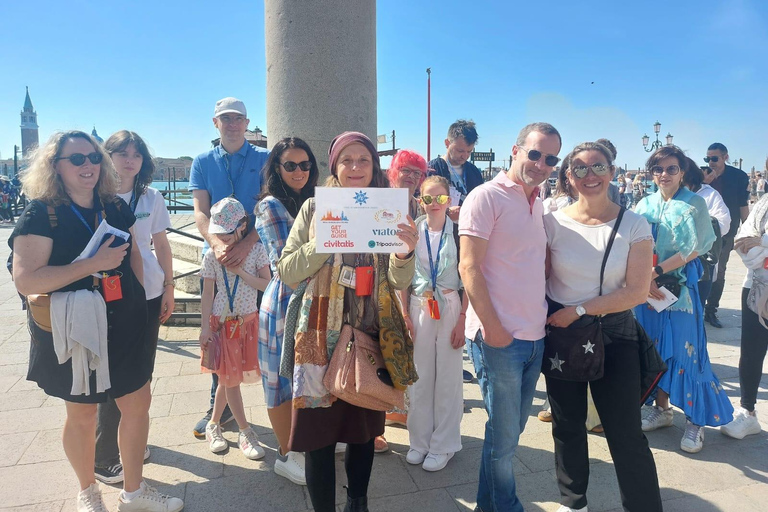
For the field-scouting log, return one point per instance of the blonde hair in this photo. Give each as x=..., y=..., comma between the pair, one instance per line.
x=436, y=180
x=41, y=181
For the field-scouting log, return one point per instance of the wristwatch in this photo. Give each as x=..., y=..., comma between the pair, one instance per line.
x=659, y=271
x=580, y=310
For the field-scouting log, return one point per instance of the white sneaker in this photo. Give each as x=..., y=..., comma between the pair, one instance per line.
x=563, y=508
x=89, y=500
x=249, y=444
x=341, y=448
x=658, y=418
x=150, y=500
x=693, y=438
x=415, y=457
x=291, y=466
x=436, y=462
x=216, y=441
x=744, y=424
x=146, y=453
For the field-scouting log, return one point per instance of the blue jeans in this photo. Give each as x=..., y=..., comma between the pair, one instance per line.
x=507, y=378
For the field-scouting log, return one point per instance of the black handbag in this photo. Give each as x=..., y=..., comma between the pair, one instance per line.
x=577, y=352
x=670, y=282
x=652, y=366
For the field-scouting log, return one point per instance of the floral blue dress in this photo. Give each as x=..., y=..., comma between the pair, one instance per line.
x=682, y=225
x=273, y=223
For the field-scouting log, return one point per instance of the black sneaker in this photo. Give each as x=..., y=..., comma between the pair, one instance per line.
x=711, y=318
x=110, y=475
x=199, y=430
x=466, y=376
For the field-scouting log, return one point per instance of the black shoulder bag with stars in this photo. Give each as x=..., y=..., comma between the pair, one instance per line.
x=577, y=352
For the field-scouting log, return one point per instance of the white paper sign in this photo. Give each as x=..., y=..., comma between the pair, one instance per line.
x=360, y=219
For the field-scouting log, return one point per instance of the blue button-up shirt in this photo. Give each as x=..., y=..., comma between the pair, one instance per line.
x=222, y=175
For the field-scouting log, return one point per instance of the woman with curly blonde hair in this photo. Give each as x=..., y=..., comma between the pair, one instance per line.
x=71, y=184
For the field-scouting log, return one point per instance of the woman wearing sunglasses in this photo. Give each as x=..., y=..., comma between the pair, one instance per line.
x=580, y=232
x=319, y=420
x=289, y=178
x=682, y=231
x=72, y=184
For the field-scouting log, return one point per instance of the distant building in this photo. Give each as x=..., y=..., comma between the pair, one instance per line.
x=173, y=169
x=95, y=135
x=29, y=128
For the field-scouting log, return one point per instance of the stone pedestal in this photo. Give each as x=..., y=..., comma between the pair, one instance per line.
x=321, y=71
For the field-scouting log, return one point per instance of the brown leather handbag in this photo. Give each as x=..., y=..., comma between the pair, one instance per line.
x=39, y=306
x=357, y=373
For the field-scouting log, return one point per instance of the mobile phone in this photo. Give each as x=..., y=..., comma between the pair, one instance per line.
x=384, y=377
x=118, y=241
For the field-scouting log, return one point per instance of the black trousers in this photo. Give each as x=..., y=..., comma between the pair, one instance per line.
x=754, y=342
x=616, y=398
x=320, y=468
x=713, y=301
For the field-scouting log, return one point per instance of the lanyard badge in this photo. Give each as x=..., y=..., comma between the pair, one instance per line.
x=363, y=281
x=111, y=287
x=432, y=304
x=231, y=323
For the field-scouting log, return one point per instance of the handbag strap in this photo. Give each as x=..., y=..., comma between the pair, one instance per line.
x=610, y=244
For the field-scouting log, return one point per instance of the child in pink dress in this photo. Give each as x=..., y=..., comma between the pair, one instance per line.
x=230, y=324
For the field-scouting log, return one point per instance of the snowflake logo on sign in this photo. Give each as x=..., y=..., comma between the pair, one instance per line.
x=361, y=197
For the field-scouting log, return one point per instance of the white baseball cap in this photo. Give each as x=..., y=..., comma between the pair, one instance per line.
x=229, y=106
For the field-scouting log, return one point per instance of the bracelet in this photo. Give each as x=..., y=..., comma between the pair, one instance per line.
x=169, y=283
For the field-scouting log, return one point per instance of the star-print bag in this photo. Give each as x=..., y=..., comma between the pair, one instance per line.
x=577, y=352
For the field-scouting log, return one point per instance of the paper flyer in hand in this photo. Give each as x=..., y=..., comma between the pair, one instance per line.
x=360, y=219
x=661, y=305
x=103, y=232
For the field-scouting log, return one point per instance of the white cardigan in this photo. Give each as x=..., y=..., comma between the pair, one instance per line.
x=79, y=324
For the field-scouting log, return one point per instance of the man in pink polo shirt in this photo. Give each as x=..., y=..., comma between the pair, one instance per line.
x=503, y=248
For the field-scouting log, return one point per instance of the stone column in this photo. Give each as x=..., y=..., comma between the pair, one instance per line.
x=321, y=71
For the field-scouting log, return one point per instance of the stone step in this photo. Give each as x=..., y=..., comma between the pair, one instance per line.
x=186, y=309
x=186, y=249
x=190, y=283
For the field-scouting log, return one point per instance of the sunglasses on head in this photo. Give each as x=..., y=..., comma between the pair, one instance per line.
x=713, y=159
x=439, y=199
x=658, y=170
x=598, y=169
x=78, y=159
x=289, y=166
x=534, y=156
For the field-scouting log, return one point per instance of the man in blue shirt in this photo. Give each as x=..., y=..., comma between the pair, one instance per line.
x=233, y=168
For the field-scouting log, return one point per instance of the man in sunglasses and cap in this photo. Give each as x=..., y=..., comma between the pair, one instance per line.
x=231, y=169
x=503, y=248
x=732, y=183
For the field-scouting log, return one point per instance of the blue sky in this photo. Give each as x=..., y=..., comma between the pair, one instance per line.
x=699, y=67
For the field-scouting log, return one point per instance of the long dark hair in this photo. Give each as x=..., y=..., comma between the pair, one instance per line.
x=118, y=141
x=272, y=182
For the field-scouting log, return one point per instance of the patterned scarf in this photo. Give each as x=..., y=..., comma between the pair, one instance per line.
x=319, y=325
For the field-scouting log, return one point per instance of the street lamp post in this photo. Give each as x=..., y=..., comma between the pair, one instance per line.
x=657, y=143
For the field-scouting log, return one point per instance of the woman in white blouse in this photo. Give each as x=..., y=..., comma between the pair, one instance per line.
x=577, y=237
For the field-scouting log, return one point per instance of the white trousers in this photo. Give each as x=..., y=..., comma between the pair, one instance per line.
x=434, y=417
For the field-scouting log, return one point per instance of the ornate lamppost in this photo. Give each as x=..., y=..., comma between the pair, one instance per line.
x=657, y=143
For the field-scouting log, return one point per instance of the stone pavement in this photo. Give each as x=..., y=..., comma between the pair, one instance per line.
x=727, y=475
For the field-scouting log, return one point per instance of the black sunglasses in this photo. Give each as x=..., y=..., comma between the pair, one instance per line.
x=658, y=170
x=712, y=159
x=289, y=166
x=78, y=159
x=534, y=156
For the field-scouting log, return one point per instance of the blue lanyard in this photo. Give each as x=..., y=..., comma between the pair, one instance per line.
x=227, y=157
x=655, y=225
x=433, y=267
x=462, y=187
x=82, y=219
x=230, y=295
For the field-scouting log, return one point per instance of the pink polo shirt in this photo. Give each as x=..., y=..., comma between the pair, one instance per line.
x=500, y=212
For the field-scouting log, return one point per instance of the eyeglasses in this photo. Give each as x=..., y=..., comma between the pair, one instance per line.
x=598, y=170
x=439, y=199
x=413, y=172
x=78, y=159
x=289, y=166
x=713, y=159
x=706, y=170
x=658, y=170
x=534, y=156
x=229, y=119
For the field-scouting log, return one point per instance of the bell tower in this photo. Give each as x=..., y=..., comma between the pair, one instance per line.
x=29, y=136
